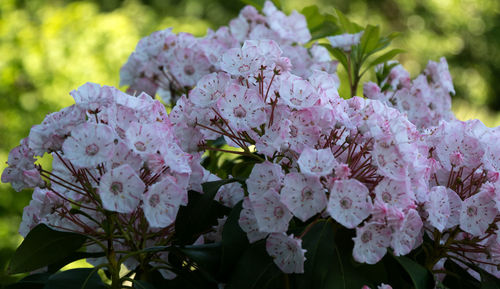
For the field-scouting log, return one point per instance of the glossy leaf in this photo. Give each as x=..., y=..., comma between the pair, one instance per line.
x=234, y=242
x=205, y=256
x=386, y=57
x=323, y=268
x=82, y=278
x=44, y=246
x=200, y=214
x=370, y=39
x=420, y=276
x=254, y=270
x=34, y=281
x=140, y=284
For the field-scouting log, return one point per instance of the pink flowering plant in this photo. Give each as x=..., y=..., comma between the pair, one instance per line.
x=263, y=174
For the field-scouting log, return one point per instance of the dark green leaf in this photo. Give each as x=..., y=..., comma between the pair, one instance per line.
x=82, y=278
x=234, y=242
x=420, y=276
x=323, y=267
x=140, y=284
x=44, y=246
x=200, y=214
x=458, y=278
x=255, y=269
x=386, y=57
x=207, y=257
x=71, y=258
x=488, y=281
x=34, y=281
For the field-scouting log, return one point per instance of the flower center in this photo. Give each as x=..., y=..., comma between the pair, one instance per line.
x=140, y=146
x=92, y=149
x=366, y=237
x=239, y=111
x=472, y=211
x=154, y=200
x=189, y=70
x=116, y=188
x=278, y=212
x=346, y=203
x=386, y=197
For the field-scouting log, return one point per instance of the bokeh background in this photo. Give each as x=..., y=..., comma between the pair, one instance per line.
x=48, y=48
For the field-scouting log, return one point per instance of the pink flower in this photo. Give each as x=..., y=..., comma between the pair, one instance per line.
x=303, y=195
x=438, y=207
x=349, y=202
x=89, y=145
x=230, y=194
x=287, y=252
x=404, y=239
x=242, y=107
x=478, y=212
x=298, y=93
x=271, y=214
x=121, y=189
x=209, y=89
x=316, y=162
x=161, y=202
x=248, y=222
x=264, y=177
x=370, y=243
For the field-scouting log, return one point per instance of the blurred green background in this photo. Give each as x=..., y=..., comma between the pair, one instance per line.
x=48, y=48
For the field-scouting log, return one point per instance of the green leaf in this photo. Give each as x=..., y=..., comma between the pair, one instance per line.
x=44, y=246
x=54, y=267
x=34, y=281
x=323, y=267
x=420, y=276
x=255, y=269
x=458, y=278
x=206, y=256
x=140, y=284
x=313, y=17
x=82, y=278
x=234, y=242
x=488, y=281
x=338, y=54
x=200, y=214
x=370, y=39
x=346, y=24
x=386, y=57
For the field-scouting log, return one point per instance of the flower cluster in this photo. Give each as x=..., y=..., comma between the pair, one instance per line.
x=114, y=156
x=171, y=64
x=395, y=167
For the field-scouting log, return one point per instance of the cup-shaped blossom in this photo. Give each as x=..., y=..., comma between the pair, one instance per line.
x=303, y=195
x=478, y=212
x=316, y=162
x=242, y=107
x=161, y=202
x=349, y=202
x=371, y=242
x=264, y=177
x=271, y=214
x=287, y=252
x=121, y=189
x=89, y=145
